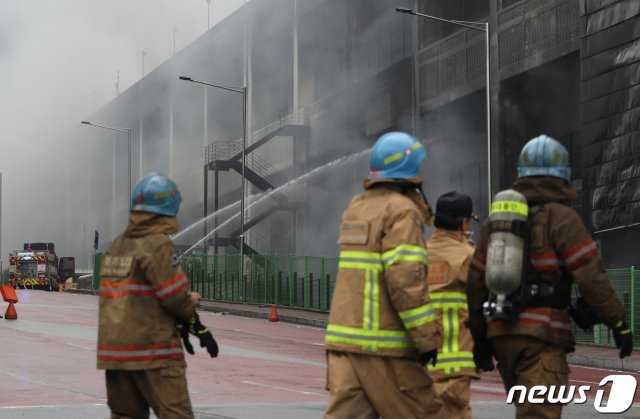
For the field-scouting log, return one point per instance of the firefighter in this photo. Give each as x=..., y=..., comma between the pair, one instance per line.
x=143, y=294
x=449, y=258
x=382, y=328
x=531, y=347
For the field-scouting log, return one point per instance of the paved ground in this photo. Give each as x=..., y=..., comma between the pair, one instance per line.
x=266, y=370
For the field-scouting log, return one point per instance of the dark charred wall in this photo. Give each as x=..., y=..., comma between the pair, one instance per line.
x=543, y=100
x=610, y=72
x=356, y=69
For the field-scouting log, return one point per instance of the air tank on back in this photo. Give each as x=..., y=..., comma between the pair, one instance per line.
x=506, y=248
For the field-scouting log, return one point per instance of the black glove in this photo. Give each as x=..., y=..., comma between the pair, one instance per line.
x=483, y=355
x=184, y=334
x=583, y=315
x=426, y=357
x=206, y=338
x=624, y=338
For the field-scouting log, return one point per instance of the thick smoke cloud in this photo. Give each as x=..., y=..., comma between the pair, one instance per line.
x=352, y=89
x=59, y=62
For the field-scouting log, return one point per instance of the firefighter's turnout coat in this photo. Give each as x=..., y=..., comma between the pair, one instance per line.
x=561, y=252
x=143, y=293
x=449, y=258
x=380, y=304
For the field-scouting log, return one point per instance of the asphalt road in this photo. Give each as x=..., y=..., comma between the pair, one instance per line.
x=265, y=370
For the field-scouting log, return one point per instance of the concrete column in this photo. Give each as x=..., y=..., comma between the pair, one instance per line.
x=141, y=172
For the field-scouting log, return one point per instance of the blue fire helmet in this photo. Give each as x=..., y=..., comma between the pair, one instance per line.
x=396, y=155
x=156, y=193
x=544, y=156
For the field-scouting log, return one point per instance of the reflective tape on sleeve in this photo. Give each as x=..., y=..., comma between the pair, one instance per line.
x=448, y=299
x=579, y=254
x=418, y=316
x=453, y=362
x=360, y=260
x=172, y=286
x=405, y=253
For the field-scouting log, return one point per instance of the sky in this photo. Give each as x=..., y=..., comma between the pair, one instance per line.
x=59, y=62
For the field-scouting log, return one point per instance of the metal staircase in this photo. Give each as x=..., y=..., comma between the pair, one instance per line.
x=225, y=156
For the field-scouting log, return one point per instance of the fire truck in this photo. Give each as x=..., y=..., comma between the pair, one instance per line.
x=36, y=266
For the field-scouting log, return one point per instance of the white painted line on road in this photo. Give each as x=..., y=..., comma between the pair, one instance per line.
x=24, y=378
x=580, y=381
x=318, y=344
x=47, y=406
x=93, y=348
x=488, y=389
x=282, y=388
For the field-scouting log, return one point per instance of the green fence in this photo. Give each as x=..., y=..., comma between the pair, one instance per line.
x=624, y=282
x=308, y=282
x=290, y=281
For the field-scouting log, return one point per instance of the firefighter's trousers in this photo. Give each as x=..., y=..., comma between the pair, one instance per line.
x=528, y=361
x=131, y=393
x=369, y=387
x=456, y=394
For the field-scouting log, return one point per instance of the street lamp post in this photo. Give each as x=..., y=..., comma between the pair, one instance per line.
x=128, y=132
x=244, y=92
x=483, y=27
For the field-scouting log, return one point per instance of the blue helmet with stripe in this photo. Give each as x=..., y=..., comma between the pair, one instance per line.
x=156, y=193
x=396, y=155
x=544, y=156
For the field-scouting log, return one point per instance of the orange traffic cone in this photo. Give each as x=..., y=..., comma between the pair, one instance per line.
x=11, y=312
x=273, y=316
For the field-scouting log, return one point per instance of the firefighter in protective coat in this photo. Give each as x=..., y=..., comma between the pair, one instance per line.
x=449, y=259
x=531, y=349
x=382, y=328
x=143, y=293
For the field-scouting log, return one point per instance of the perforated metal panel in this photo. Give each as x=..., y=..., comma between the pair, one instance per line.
x=533, y=27
x=511, y=14
x=532, y=5
x=541, y=32
x=430, y=73
x=511, y=45
x=453, y=42
x=476, y=61
x=568, y=21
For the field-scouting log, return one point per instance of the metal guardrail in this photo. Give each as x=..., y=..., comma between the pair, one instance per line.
x=284, y=118
x=289, y=281
x=308, y=282
x=227, y=151
x=257, y=242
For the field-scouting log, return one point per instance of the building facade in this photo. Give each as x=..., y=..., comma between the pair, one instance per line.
x=325, y=78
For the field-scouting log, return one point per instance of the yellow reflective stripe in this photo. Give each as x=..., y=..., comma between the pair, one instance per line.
x=455, y=330
x=368, y=300
x=453, y=361
x=368, y=339
x=418, y=316
x=416, y=146
x=446, y=332
x=376, y=299
x=405, y=253
x=359, y=265
x=352, y=254
x=392, y=158
x=448, y=295
x=510, y=206
x=360, y=260
x=448, y=299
